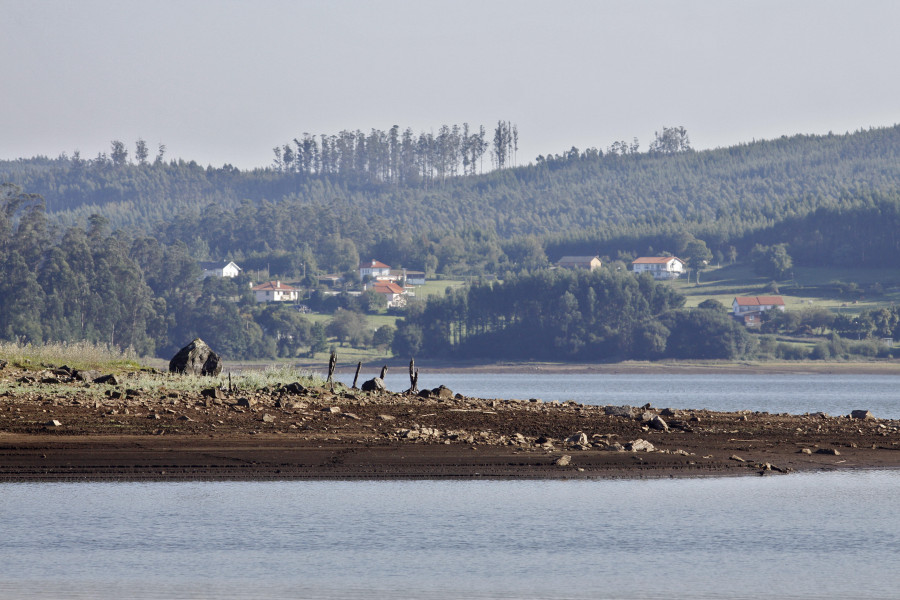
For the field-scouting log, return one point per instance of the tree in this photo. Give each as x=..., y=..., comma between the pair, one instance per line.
x=671, y=141
x=384, y=337
x=697, y=255
x=771, y=261
x=119, y=153
x=141, y=152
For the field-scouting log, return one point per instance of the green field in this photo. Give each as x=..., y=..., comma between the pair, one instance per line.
x=809, y=287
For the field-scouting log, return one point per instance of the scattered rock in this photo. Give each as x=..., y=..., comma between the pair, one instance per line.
x=332, y=409
x=736, y=458
x=563, y=461
x=107, y=379
x=53, y=423
x=619, y=411
x=658, y=424
x=640, y=445
x=267, y=418
x=829, y=451
x=862, y=414
x=668, y=412
x=349, y=415
x=577, y=438
x=442, y=392
x=295, y=388
x=805, y=451
x=197, y=358
x=215, y=393
x=386, y=417
x=245, y=402
x=376, y=384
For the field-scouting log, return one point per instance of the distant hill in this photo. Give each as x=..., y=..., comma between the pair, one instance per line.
x=804, y=190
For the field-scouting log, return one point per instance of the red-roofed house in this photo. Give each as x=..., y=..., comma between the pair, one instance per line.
x=661, y=267
x=375, y=270
x=275, y=291
x=749, y=309
x=393, y=293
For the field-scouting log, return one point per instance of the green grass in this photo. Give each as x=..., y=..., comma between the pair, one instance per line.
x=809, y=287
x=437, y=287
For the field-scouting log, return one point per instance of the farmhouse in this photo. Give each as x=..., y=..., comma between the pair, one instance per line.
x=590, y=263
x=393, y=293
x=749, y=309
x=661, y=267
x=219, y=269
x=275, y=291
x=375, y=270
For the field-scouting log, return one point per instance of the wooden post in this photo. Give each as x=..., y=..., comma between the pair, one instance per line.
x=355, y=377
x=413, y=377
x=332, y=363
x=383, y=372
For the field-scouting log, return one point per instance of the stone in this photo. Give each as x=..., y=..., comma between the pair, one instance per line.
x=640, y=445
x=376, y=384
x=737, y=458
x=197, y=358
x=295, y=388
x=332, y=409
x=668, y=412
x=647, y=416
x=619, y=411
x=577, y=438
x=267, y=418
x=442, y=392
x=806, y=451
x=563, y=461
x=53, y=423
x=830, y=451
x=862, y=414
x=245, y=402
x=349, y=415
x=215, y=393
x=658, y=424
x=386, y=417
x=107, y=379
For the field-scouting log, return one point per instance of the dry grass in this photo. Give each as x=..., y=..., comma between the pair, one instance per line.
x=78, y=355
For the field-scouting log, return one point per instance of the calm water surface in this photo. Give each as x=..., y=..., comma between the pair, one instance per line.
x=796, y=394
x=820, y=535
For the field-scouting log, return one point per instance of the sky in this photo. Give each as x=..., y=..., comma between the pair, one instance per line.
x=223, y=82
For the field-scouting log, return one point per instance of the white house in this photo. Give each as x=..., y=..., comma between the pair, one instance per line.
x=275, y=291
x=393, y=293
x=590, y=263
x=375, y=270
x=219, y=269
x=661, y=267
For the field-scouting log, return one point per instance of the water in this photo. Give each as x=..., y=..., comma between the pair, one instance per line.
x=826, y=535
x=795, y=394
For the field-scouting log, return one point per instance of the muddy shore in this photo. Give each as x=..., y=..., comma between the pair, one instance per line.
x=56, y=428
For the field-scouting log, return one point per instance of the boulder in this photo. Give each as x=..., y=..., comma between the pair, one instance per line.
x=658, y=424
x=442, y=392
x=376, y=384
x=640, y=445
x=563, y=461
x=295, y=388
x=619, y=411
x=577, y=438
x=862, y=414
x=108, y=379
x=53, y=423
x=197, y=358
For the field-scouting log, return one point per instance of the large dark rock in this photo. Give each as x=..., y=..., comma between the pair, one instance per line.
x=197, y=358
x=375, y=384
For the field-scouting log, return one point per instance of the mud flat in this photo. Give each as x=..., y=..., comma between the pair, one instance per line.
x=54, y=427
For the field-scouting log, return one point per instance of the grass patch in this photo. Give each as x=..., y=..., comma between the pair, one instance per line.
x=78, y=355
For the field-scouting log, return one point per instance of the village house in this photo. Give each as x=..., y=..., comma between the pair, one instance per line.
x=393, y=293
x=749, y=309
x=275, y=291
x=375, y=270
x=589, y=263
x=219, y=269
x=413, y=277
x=661, y=267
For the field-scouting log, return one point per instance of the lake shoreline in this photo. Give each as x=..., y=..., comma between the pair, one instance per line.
x=80, y=431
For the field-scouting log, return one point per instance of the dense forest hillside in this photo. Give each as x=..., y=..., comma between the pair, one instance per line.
x=447, y=215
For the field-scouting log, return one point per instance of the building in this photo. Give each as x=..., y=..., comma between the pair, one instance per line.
x=749, y=309
x=219, y=269
x=393, y=293
x=661, y=267
x=275, y=291
x=375, y=270
x=589, y=263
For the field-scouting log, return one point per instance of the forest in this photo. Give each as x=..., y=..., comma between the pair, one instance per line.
x=127, y=229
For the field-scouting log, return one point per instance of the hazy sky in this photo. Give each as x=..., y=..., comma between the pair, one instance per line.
x=226, y=81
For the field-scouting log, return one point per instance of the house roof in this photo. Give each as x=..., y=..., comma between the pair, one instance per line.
x=759, y=301
x=274, y=285
x=655, y=260
x=374, y=265
x=387, y=287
